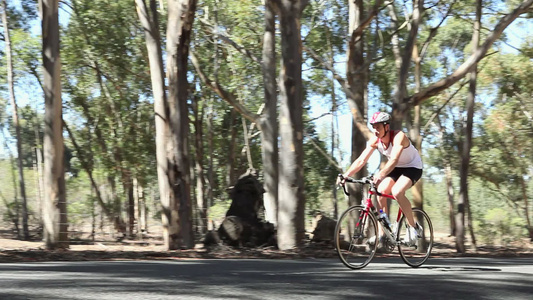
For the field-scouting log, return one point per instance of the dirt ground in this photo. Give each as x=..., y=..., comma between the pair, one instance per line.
x=151, y=248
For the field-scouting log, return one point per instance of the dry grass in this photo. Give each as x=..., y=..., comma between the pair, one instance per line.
x=151, y=248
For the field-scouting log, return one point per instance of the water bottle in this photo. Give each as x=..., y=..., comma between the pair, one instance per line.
x=383, y=215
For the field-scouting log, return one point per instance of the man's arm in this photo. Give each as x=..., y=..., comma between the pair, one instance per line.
x=359, y=163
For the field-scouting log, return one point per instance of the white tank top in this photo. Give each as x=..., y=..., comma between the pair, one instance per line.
x=409, y=158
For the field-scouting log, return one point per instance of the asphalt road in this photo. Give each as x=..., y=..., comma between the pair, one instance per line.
x=453, y=278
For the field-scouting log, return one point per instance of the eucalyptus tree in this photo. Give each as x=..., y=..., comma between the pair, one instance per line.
x=55, y=205
x=357, y=72
x=291, y=218
x=269, y=123
x=178, y=229
x=14, y=106
x=463, y=203
x=149, y=18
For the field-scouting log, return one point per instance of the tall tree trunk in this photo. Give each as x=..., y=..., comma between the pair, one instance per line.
x=395, y=40
x=39, y=166
x=449, y=183
x=140, y=205
x=356, y=77
x=11, y=88
x=523, y=187
x=150, y=22
x=417, y=190
x=463, y=203
x=473, y=83
x=210, y=163
x=398, y=107
x=291, y=218
x=130, y=203
x=334, y=120
x=246, y=137
x=55, y=206
x=142, y=217
x=14, y=216
x=230, y=162
x=201, y=199
x=179, y=233
x=268, y=121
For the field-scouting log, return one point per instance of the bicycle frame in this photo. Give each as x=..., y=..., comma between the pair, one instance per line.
x=370, y=208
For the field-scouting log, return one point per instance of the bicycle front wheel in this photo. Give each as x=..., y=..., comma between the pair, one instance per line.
x=418, y=254
x=356, y=237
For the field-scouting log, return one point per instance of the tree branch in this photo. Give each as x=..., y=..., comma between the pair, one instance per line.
x=225, y=38
x=226, y=96
x=462, y=70
x=358, y=32
x=358, y=118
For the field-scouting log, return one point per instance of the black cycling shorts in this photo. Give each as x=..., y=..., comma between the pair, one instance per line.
x=412, y=173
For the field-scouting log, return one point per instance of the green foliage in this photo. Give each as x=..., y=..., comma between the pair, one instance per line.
x=500, y=226
x=26, y=53
x=319, y=171
x=108, y=84
x=30, y=123
x=217, y=212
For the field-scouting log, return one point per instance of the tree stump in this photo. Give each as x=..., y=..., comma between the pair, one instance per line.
x=324, y=230
x=242, y=226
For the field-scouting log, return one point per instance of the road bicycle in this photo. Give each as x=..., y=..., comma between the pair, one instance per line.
x=356, y=233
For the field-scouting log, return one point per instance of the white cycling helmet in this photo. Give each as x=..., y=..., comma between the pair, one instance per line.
x=380, y=117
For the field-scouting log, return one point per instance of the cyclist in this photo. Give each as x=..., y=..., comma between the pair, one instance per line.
x=402, y=170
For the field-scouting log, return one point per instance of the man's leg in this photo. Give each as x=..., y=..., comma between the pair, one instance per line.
x=398, y=191
x=385, y=187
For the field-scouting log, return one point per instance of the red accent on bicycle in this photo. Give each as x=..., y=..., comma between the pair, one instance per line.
x=357, y=238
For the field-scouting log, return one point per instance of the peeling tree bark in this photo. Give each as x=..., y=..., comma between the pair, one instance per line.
x=178, y=231
x=291, y=226
x=269, y=121
x=55, y=206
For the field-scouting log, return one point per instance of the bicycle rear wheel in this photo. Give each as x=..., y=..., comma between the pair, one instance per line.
x=356, y=237
x=419, y=253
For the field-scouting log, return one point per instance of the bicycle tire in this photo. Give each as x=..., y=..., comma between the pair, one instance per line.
x=418, y=254
x=353, y=239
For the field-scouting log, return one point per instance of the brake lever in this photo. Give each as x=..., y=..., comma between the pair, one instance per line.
x=343, y=184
